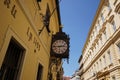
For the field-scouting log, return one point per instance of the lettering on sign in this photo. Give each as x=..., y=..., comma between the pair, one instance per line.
x=29, y=34
x=13, y=11
x=11, y=6
x=33, y=39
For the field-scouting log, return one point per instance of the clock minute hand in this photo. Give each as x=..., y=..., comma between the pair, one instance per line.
x=59, y=46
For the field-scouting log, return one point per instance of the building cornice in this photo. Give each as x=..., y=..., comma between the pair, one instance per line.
x=102, y=2
x=111, y=40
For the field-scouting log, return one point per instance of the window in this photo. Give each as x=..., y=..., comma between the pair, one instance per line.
x=94, y=68
x=96, y=29
x=101, y=40
x=90, y=56
x=109, y=7
x=101, y=63
x=91, y=38
x=98, y=45
x=95, y=49
x=118, y=45
x=99, y=23
x=39, y=73
x=110, y=57
x=97, y=66
x=12, y=62
x=104, y=61
x=105, y=35
x=113, y=26
x=102, y=17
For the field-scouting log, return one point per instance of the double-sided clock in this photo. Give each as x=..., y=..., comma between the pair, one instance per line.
x=59, y=46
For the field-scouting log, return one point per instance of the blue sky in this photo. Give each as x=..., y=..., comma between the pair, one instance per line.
x=76, y=17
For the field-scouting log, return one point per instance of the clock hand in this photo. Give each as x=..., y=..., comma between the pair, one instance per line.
x=59, y=46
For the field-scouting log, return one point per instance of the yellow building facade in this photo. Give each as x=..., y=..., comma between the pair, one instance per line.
x=26, y=29
x=100, y=59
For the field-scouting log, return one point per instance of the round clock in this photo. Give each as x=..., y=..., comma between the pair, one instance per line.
x=59, y=46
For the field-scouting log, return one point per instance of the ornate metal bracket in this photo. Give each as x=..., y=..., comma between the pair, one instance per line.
x=45, y=22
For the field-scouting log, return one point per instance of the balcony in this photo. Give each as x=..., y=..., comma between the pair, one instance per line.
x=102, y=73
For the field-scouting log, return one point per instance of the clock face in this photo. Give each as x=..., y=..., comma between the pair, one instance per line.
x=59, y=46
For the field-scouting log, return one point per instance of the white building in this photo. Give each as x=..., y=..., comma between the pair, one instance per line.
x=75, y=76
x=101, y=53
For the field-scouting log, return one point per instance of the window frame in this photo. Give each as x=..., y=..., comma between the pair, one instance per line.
x=113, y=25
x=118, y=46
x=12, y=64
x=109, y=55
x=39, y=72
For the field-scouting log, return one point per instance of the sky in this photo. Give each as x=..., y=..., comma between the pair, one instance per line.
x=76, y=18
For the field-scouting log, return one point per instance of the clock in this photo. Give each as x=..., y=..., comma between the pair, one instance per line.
x=59, y=46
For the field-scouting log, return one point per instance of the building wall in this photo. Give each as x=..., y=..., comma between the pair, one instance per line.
x=21, y=20
x=101, y=51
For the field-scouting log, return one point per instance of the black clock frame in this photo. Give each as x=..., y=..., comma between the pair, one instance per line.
x=60, y=36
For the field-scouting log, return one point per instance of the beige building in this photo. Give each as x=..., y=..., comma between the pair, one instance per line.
x=100, y=59
x=26, y=29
